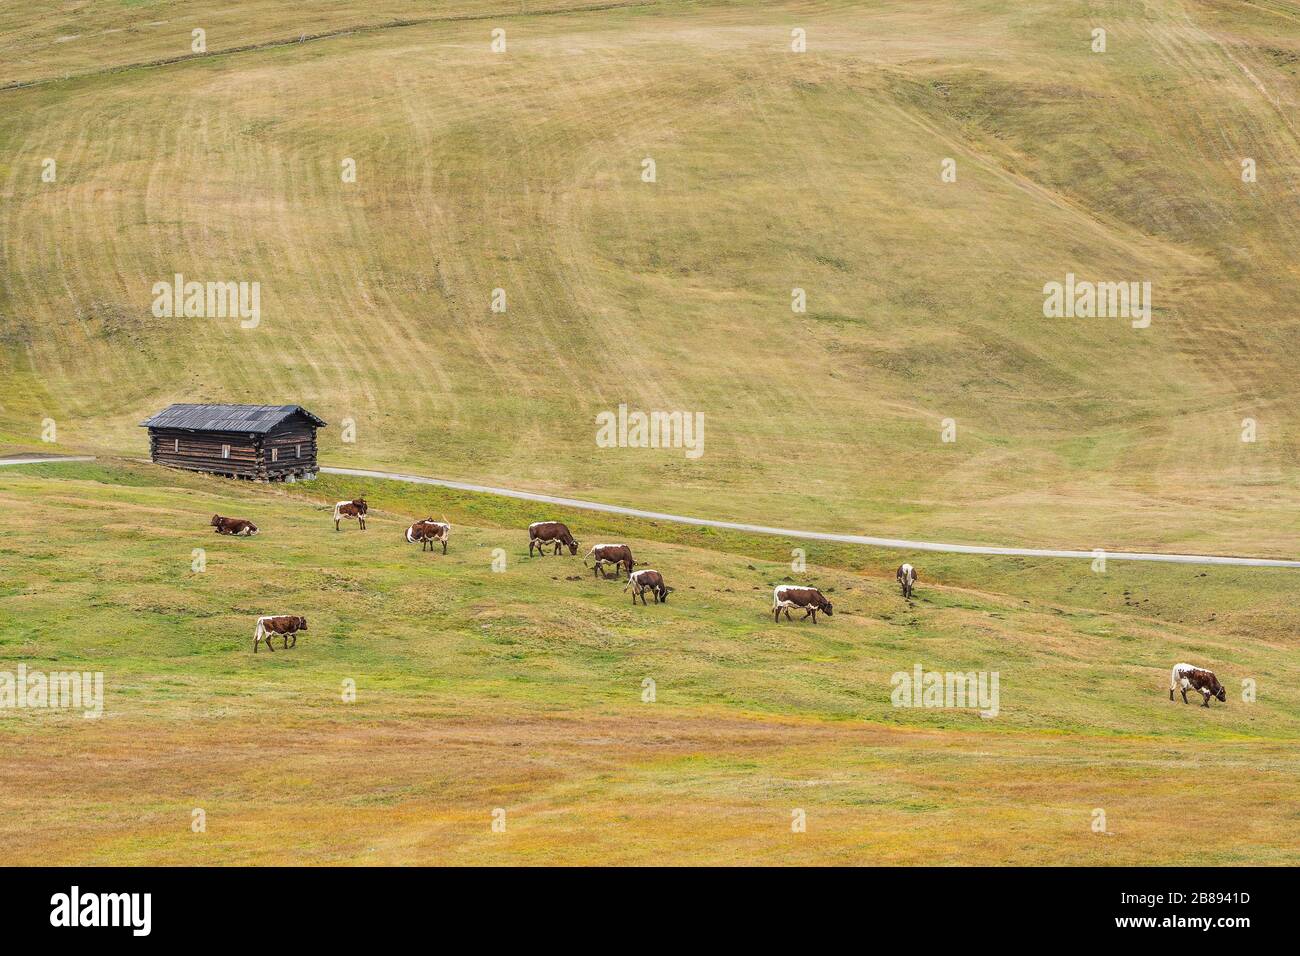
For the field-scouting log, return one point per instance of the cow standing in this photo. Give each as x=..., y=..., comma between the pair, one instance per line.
x=906, y=578
x=356, y=508
x=619, y=555
x=286, y=625
x=1187, y=677
x=542, y=533
x=429, y=531
x=786, y=596
x=647, y=580
x=236, y=526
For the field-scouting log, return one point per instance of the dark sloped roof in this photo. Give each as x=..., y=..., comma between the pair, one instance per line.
x=257, y=419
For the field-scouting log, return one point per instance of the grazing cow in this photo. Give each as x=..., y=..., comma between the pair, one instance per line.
x=356, y=508
x=906, y=577
x=786, y=596
x=235, y=526
x=542, y=533
x=647, y=580
x=619, y=555
x=1187, y=677
x=427, y=532
x=286, y=625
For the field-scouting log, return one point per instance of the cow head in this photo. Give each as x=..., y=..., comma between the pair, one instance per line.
x=573, y=546
x=1220, y=692
x=216, y=521
x=826, y=608
x=302, y=624
x=360, y=504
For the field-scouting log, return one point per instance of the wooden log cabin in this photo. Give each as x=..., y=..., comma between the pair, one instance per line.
x=259, y=442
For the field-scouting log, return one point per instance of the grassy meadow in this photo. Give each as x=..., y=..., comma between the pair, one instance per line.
x=775, y=170
x=518, y=174
x=521, y=689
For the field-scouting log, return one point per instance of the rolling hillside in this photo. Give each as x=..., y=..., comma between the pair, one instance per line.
x=775, y=170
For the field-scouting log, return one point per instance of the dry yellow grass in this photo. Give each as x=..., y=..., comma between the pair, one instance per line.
x=820, y=170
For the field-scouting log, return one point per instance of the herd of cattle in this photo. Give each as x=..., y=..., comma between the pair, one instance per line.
x=556, y=536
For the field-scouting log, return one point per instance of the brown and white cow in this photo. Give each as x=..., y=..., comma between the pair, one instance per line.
x=1187, y=677
x=906, y=578
x=619, y=555
x=429, y=531
x=542, y=533
x=650, y=580
x=786, y=596
x=286, y=625
x=235, y=526
x=356, y=508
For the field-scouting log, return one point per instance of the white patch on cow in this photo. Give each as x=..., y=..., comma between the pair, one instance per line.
x=779, y=592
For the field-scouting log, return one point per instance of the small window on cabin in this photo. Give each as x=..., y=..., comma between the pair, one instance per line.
x=225, y=451
x=176, y=445
x=275, y=454
x=297, y=451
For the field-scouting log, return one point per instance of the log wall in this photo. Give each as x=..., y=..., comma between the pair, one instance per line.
x=250, y=455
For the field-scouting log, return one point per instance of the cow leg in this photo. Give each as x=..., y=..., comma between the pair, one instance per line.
x=287, y=645
x=1207, y=700
x=1184, y=695
x=530, y=547
x=363, y=523
x=444, y=546
x=270, y=642
x=1171, y=693
x=336, y=524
